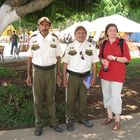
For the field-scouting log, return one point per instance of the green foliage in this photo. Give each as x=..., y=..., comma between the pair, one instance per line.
x=133, y=69
x=16, y=107
x=1, y=2
x=134, y=14
x=65, y=13
x=61, y=112
x=6, y=72
x=115, y=7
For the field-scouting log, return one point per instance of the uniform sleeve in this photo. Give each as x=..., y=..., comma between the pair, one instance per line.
x=126, y=52
x=29, y=52
x=66, y=55
x=59, y=49
x=95, y=57
x=100, y=52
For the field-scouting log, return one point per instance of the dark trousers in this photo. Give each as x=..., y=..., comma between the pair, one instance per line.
x=12, y=46
x=44, y=88
x=76, y=99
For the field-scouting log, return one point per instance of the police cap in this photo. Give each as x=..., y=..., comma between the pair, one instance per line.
x=44, y=19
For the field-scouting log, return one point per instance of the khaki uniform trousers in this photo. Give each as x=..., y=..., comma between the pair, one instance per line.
x=76, y=99
x=44, y=89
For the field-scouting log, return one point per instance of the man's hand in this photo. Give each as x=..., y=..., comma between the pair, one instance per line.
x=59, y=80
x=93, y=81
x=65, y=83
x=29, y=81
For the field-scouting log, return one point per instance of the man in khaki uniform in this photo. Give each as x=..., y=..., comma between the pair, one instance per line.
x=80, y=57
x=44, y=53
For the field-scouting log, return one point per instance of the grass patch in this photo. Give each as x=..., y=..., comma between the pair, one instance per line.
x=16, y=107
x=133, y=69
x=7, y=72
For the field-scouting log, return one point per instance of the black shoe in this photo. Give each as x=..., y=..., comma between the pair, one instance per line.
x=38, y=131
x=70, y=126
x=57, y=128
x=86, y=123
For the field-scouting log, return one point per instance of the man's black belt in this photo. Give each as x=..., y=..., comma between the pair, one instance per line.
x=78, y=74
x=44, y=67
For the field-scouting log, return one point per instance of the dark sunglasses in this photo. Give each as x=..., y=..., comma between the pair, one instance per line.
x=82, y=56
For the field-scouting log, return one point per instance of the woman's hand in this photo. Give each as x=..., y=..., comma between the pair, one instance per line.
x=111, y=57
x=104, y=61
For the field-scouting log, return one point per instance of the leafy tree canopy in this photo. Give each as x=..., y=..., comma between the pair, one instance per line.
x=66, y=12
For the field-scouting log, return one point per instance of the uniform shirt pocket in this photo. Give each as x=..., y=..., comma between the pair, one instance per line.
x=72, y=52
x=35, y=47
x=53, y=45
x=89, y=52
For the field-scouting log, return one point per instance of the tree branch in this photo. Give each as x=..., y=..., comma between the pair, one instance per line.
x=15, y=3
x=33, y=6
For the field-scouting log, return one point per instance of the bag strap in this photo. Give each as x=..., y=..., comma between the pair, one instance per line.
x=103, y=46
x=121, y=45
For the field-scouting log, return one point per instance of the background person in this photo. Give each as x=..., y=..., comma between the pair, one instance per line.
x=44, y=53
x=80, y=57
x=14, y=42
x=113, y=79
x=28, y=39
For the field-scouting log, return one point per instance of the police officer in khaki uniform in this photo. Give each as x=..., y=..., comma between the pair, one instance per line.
x=43, y=64
x=80, y=57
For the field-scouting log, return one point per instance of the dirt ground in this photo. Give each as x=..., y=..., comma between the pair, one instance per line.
x=130, y=93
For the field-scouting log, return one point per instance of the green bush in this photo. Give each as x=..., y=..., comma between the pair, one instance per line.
x=133, y=69
x=16, y=107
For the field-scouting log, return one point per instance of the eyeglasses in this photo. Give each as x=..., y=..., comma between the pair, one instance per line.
x=82, y=56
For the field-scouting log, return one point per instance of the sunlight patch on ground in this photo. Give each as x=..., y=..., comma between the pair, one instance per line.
x=127, y=117
x=132, y=107
x=86, y=136
x=2, y=132
x=131, y=92
x=120, y=135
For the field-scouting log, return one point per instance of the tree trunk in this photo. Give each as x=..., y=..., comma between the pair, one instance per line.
x=12, y=10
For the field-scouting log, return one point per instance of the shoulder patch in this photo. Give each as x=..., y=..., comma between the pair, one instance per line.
x=70, y=42
x=54, y=35
x=33, y=35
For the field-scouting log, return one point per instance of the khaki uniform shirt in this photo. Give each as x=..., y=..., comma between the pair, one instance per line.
x=80, y=56
x=44, y=50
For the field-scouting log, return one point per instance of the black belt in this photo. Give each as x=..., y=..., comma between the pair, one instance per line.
x=78, y=74
x=44, y=67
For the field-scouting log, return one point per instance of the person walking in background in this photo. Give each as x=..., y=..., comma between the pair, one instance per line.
x=28, y=39
x=80, y=57
x=14, y=42
x=44, y=53
x=112, y=74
